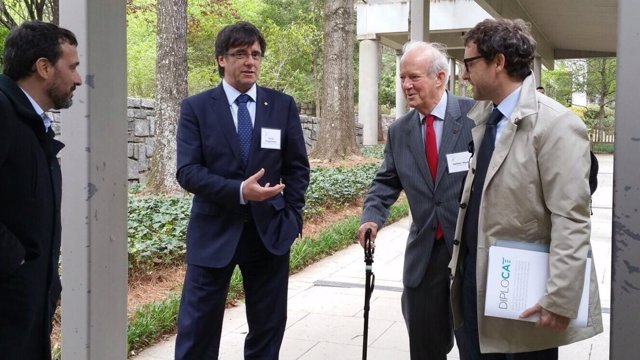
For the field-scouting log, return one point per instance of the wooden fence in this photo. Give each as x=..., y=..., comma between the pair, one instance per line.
x=599, y=136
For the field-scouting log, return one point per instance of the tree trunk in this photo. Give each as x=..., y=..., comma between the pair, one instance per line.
x=337, y=136
x=55, y=11
x=171, y=88
x=603, y=91
x=317, y=95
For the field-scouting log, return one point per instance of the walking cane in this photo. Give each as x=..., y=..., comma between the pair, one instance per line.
x=368, y=288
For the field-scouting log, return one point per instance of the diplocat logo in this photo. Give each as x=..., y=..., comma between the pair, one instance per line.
x=504, y=284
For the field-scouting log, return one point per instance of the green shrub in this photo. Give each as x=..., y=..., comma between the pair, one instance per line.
x=602, y=148
x=157, y=224
x=331, y=188
x=373, y=151
x=157, y=229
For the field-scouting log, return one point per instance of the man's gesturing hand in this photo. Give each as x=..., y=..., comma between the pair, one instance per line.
x=252, y=191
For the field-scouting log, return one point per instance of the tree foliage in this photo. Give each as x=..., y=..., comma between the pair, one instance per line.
x=558, y=83
x=596, y=77
x=15, y=12
x=292, y=29
x=387, y=87
x=141, y=47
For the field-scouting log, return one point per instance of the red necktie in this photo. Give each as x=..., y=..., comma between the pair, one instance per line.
x=431, y=150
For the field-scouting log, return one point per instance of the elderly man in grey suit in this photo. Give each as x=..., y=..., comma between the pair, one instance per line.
x=426, y=155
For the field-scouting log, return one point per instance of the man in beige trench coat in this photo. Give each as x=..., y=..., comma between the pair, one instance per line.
x=528, y=181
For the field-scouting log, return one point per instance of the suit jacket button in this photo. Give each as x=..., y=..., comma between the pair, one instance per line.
x=456, y=242
x=463, y=206
x=438, y=203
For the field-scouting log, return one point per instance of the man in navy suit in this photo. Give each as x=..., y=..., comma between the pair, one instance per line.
x=242, y=153
x=426, y=156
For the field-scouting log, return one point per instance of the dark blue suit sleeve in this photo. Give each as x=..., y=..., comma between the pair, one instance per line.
x=192, y=173
x=384, y=190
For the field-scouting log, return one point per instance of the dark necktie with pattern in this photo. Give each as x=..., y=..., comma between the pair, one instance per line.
x=245, y=128
x=470, y=227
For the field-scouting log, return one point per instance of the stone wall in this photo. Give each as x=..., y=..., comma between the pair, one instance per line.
x=141, y=127
x=141, y=118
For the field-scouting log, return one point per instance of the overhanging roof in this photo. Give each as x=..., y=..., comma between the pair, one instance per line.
x=564, y=29
x=570, y=28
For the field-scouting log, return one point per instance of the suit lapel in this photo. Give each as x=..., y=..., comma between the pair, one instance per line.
x=450, y=134
x=501, y=150
x=416, y=147
x=221, y=116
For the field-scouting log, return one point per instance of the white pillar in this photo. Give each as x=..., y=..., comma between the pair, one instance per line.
x=537, y=70
x=368, y=74
x=625, y=280
x=419, y=20
x=452, y=75
x=462, y=84
x=94, y=196
x=401, y=101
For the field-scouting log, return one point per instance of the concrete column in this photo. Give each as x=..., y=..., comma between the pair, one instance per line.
x=368, y=74
x=94, y=194
x=537, y=70
x=401, y=101
x=419, y=20
x=452, y=75
x=625, y=280
x=462, y=85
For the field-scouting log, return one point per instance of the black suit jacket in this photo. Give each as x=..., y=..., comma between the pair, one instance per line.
x=30, y=188
x=210, y=167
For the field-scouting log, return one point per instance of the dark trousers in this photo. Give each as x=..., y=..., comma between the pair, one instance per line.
x=265, y=280
x=426, y=309
x=470, y=328
x=26, y=313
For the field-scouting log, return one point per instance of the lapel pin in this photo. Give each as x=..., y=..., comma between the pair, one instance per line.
x=266, y=103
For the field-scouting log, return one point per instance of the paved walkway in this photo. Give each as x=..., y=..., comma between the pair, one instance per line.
x=326, y=300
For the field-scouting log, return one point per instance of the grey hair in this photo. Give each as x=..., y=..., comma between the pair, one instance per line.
x=437, y=55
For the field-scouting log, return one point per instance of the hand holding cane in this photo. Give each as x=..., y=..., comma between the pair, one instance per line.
x=368, y=289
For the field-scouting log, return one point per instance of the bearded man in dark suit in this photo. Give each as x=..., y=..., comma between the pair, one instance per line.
x=40, y=73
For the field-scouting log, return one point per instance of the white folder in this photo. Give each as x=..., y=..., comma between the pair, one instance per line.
x=517, y=277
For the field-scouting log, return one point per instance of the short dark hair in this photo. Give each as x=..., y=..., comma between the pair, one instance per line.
x=540, y=88
x=31, y=41
x=241, y=33
x=510, y=38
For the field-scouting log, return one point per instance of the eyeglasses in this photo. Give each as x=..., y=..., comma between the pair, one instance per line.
x=242, y=55
x=467, y=61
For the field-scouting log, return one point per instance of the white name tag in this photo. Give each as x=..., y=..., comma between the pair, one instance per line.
x=458, y=162
x=270, y=139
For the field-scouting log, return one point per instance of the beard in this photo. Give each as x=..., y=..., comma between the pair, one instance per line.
x=61, y=99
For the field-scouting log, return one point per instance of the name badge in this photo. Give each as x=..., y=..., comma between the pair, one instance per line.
x=270, y=139
x=458, y=162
